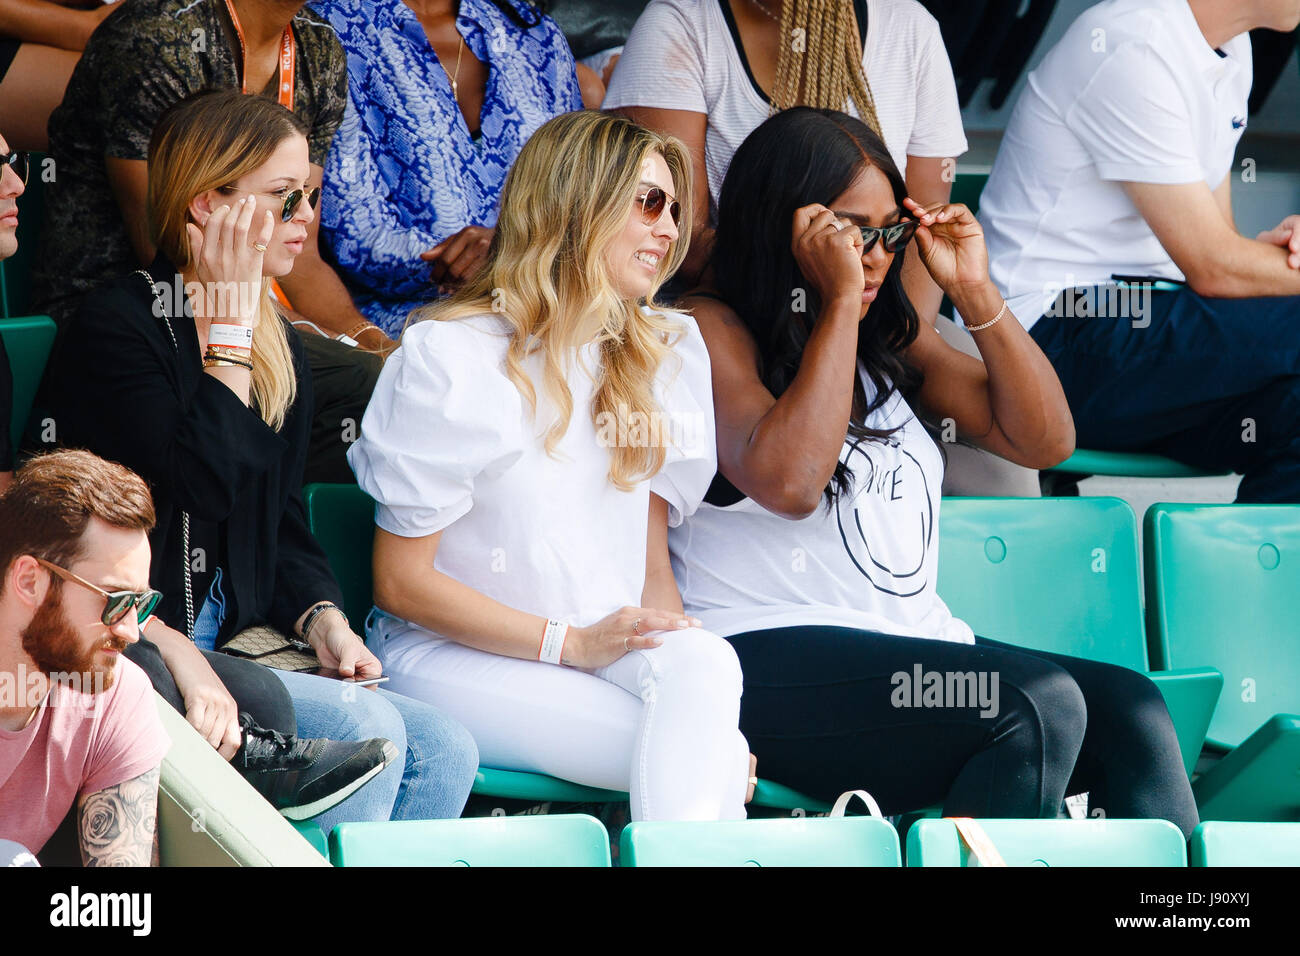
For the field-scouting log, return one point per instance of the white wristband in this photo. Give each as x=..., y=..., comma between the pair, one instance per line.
x=552, y=646
x=230, y=336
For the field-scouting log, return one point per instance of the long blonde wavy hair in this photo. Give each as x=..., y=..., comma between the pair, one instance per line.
x=206, y=141
x=824, y=69
x=566, y=200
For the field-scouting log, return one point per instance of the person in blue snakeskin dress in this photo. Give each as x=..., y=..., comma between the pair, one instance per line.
x=415, y=169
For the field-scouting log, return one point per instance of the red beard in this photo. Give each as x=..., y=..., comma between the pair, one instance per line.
x=52, y=642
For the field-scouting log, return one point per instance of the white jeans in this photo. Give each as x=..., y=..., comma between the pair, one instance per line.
x=660, y=723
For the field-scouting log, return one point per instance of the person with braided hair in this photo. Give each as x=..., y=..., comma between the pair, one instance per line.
x=710, y=71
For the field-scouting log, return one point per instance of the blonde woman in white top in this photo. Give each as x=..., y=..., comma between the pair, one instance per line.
x=527, y=447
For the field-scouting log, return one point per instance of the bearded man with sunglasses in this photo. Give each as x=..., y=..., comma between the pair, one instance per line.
x=77, y=721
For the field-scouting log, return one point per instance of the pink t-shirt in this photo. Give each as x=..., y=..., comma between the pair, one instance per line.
x=77, y=743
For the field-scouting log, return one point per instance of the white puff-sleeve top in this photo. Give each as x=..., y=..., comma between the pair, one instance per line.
x=448, y=444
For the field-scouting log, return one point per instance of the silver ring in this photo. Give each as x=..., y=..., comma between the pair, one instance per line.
x=636, y=627
x=626, y=645
x=260, y=246
x=837, y=224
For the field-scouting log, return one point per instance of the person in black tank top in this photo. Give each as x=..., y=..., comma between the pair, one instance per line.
x=807, y=310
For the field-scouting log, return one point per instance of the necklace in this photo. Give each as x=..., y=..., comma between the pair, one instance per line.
x=454, y=77
x=770, y=15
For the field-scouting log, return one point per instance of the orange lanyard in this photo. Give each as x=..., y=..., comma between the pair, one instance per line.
x=287, y=51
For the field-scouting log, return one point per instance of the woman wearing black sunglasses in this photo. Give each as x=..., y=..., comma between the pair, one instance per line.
x=815, y=550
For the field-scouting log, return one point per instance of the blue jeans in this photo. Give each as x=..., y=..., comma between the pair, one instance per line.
x=441, y=756
x=1213, y=383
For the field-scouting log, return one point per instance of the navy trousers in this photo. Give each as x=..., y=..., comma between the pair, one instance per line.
x=1213, y=383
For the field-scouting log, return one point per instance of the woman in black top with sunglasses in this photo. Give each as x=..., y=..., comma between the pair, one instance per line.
x=815, y=551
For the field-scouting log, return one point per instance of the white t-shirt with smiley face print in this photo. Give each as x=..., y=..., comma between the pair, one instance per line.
x=869, y=562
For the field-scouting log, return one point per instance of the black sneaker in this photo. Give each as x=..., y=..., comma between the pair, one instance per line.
x=302, y=778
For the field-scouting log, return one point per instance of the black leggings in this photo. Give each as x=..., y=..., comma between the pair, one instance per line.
x=829, y=709
x=256, y=690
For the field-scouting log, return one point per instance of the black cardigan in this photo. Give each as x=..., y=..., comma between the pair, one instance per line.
x=121, y=390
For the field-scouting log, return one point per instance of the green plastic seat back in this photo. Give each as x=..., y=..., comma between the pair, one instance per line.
x=1257, y=780
x=543, y=840
x=342, y=517
x=1222, y=586
x=770, y=794
x=16, y=271
x=1052, y=574
x=1129, y=464
x=812, y=841
x=28, y=341
x=310, y=831
x=1231, y=843
x=1053, y=843
x=966, y=188
x=521, y=785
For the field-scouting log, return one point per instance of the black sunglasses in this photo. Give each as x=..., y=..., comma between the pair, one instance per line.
x=652, y=206
x=892, y=238
x=20, y=161
x=291, y=201
x=117, y=603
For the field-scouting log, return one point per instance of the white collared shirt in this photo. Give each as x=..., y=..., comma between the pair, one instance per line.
x=1132, y=92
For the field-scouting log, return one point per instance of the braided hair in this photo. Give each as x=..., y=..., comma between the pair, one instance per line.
x=821, y=64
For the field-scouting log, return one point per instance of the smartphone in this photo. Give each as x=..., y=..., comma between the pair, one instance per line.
x=333, y=674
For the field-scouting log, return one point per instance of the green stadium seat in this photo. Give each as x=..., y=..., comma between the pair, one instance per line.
x=1128, y=465
x=1258, y=780
x=342, y=517
x=1053, y=843
x=1227, y=843
x=518, y=785
x=28, y=341
x=310, y=831
x=1062, y=575
x=967, y=187
x=16, y=271
x=1221, y=588
x=561, y=840
x=843, y=841
x=777, y=796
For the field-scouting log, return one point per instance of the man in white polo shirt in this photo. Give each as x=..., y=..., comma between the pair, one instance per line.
x=1118, y=162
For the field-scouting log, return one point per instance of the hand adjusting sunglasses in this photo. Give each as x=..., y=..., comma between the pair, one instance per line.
x=117, y=603
x=652, y=206
x=291, y=201
x=19, y=160
x=893, y=237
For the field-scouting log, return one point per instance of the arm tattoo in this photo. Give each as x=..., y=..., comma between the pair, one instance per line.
x=117, y=824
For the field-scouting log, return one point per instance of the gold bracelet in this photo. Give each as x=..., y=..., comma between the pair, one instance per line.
x=994, y=321
x=228, y=353
x=213, y=361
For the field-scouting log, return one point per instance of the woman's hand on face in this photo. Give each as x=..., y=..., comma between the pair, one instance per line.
x=627, y=629
x=829, y=253
x=951, y=243
x=228, y=263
